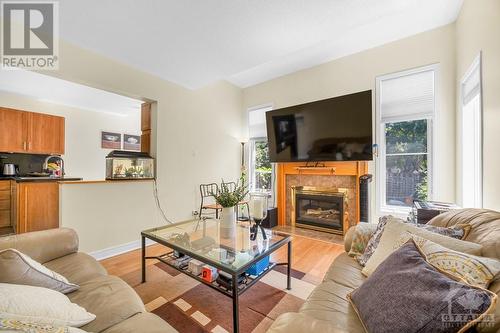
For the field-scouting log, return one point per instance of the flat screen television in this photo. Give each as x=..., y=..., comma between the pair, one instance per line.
x=334, y=129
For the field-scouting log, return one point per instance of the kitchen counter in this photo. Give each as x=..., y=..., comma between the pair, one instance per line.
x=39, y=179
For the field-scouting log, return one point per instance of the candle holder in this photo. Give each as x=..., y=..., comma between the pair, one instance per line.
x=258, y=212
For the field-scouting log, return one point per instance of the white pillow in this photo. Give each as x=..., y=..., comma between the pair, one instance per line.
x=393, y=231
x=16, y=326
x=40, y=305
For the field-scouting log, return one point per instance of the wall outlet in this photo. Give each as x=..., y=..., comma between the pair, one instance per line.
x=195, y=213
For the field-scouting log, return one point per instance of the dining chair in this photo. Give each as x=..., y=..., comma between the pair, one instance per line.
x=207, y=191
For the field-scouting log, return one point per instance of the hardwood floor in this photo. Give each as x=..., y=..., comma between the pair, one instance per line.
x=310, y=256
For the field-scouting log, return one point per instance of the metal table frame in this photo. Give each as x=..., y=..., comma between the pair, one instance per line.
x=234, y=274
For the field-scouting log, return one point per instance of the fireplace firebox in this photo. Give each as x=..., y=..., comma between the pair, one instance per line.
x=320, y=208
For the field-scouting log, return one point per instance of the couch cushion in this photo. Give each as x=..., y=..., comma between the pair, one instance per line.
x=293, y=322
x=329, y=302
x=109, y=298
x=77, y=267
x=345, y=271
x=394, y=229
x=142, y=322
x=485, y=227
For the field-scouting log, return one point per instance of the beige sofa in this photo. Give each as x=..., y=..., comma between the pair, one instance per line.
x=117, y=307
x=327, y=308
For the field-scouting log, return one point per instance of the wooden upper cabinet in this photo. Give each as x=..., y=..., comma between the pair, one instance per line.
x=146, y=128
x=13, y=134
x=29, y=132
x=45, y=134
x=146, y=116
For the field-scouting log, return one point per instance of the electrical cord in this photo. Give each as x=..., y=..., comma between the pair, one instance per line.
x=157, y=200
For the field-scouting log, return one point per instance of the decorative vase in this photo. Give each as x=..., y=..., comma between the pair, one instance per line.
x=228, y=222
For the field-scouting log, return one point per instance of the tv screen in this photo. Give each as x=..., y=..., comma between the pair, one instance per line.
x=334, y=129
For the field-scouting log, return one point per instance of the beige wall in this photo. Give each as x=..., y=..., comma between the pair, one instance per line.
x=107, y=215
x=83, y=156
x=478, y=30
x=358, y=72
x=196, y=142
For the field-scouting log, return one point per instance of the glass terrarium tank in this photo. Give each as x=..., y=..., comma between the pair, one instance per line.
x=129, y=165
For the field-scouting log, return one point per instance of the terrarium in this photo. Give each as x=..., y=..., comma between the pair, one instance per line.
x=129, y=165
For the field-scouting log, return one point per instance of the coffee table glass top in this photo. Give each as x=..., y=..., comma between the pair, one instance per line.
x=208, y=241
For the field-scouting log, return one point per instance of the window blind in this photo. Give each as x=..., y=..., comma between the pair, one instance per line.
x=257, y=122
x=407, y=97
x=471, y=86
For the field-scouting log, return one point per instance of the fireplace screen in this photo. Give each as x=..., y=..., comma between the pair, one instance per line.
x=319, y=210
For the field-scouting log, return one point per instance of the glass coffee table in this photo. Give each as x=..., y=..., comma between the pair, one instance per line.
x=203, y=248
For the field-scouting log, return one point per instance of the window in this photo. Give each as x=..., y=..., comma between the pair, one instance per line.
x=261, y=165
x=261, y=170
x=471, y=137
x=405, y=117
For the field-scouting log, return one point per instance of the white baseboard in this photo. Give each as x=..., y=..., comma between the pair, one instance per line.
x=119, y=249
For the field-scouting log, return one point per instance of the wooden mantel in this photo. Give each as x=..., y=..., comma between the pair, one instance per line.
x=355, y=169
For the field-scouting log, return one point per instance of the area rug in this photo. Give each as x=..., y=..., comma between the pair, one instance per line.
x=190, y=306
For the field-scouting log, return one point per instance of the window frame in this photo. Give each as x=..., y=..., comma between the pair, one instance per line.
x=475, y=65
x=251, y=155
x=381, y=207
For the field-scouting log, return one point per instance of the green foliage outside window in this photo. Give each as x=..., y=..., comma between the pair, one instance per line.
x=263, y=168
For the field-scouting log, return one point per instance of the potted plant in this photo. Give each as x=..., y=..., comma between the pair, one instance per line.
x=229, y=199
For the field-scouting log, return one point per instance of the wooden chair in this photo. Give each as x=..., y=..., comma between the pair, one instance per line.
x=231, y=186
x=206, y=191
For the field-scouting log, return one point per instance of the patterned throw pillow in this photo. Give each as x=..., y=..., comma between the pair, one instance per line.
x=18, y=268
x=10, y=325
x=362, y=234
x=475, y=270
x=407, y=294
x=373, y=242
x=458, y=231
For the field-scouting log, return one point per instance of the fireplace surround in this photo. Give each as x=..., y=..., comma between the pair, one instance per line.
x=320, y=208
x=338, y=175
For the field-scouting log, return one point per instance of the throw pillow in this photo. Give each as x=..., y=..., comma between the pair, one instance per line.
x=373, y=242
x=40, y=306
x=394, y=229
x=476, y=271
x=407, y=294
x=362, y=234
x=7, y=325
x=459, y=231
x=18, y=268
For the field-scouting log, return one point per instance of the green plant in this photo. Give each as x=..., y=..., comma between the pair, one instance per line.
x=227, y=198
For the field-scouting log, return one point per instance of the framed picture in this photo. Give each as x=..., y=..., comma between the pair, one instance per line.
x=131, y=142
x=110, y=140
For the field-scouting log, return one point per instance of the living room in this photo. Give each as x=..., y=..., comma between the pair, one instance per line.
x=431, y=71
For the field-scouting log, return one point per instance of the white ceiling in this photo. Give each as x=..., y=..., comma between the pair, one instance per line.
x=197, y=42
x=53, y=90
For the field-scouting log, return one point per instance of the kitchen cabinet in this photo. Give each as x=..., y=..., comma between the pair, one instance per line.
x=7, y=209
x=30, y=132
x=146, y=128
x=37, y=206
x=13, y=130
x=45, y=134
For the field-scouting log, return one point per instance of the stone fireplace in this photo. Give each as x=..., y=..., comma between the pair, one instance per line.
x=332, y=188
x=320, y=208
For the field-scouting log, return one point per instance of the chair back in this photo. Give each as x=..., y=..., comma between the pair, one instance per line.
x=231, y=186
x=207, y=190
